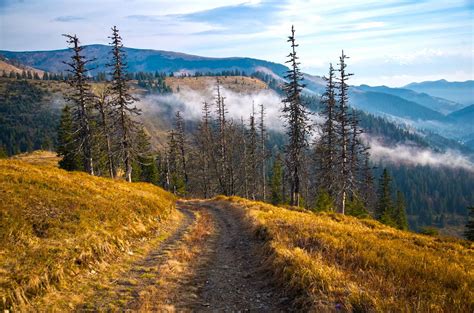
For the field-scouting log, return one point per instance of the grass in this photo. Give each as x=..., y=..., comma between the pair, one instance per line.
x=332, y=262
x=56, y=225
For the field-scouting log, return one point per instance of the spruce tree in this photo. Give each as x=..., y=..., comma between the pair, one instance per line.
x=276, y=181
x=180, y=138
x=326, y=148
x=252, y=155
x=81, y=97
x=385, y=209
x=469, y=232
x=67, y=146
x=296, y=115
x=204, y=143
x=263, y=152
x=343, y=130
x=122, y=102
x=400, y=212
x=103, y=105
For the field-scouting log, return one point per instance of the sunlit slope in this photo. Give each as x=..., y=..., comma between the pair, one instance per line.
x=55, y=224
x=334, y=262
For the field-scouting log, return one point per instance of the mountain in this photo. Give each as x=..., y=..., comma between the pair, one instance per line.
x=144, y=60
x=465, y=115
x=435, y=103
x=461, y=92
x=379, y=103
x=7, y=66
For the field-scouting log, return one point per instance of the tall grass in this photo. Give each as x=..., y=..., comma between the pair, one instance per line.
x=56, y=224
x=333, y=262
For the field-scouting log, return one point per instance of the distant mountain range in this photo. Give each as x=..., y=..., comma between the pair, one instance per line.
x=461, y=92
x=144, y=60
x=440, y=107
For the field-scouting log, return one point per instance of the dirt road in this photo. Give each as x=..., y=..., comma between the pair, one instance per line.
x=211, y=263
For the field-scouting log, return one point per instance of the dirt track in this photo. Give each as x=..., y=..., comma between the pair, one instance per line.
x=220, y=271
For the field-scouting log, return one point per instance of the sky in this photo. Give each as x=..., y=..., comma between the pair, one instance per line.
x=390, y=42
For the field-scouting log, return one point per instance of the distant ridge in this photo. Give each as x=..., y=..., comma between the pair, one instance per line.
x=144, y=60
x=461, y=92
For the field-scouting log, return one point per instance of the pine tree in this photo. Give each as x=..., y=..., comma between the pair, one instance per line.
x=385, y=209
x=181, y=143
x=103, y=105
x=204, y=144
x=400, y=212
x=82, y=99
x=276, y=181
x=222, y=163
x=324, y=202
x=252, y=155
x=122, y=102
x=263, y=152
x=67, y=147
x=326, y=147
x=343, y=130
x=469, y=232
x=296, y=115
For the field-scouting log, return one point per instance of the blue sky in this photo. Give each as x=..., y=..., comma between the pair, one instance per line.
x=390, y=42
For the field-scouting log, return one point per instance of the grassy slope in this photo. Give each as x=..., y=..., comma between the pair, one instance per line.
x=56, y=224
x=333, y=261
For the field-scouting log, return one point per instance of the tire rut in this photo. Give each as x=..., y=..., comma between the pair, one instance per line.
x=233, y=279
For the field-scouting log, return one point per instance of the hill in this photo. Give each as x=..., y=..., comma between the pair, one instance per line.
x=434, y=103
x=144, y=60
x=56, y=226
x=465, y=115
x=379, y=103
x=461, y=92
x=332, y=262
x=7, y=66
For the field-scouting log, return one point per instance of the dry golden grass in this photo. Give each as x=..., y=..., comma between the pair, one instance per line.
x=239, y=84
x=7, y=68
x=55, y=225
x=39, y=157
x=333, y=262
x=179, y=270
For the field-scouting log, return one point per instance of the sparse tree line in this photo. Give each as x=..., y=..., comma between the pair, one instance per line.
x=333, y=173
x=99, y=134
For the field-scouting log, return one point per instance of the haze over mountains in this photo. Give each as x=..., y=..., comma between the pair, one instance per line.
x=440, y=107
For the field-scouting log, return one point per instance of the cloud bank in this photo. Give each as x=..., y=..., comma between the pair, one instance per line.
x=406, y=154
x=239, y=106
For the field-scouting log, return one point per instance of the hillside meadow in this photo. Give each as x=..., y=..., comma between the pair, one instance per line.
x=331, y=262
x=56, y=226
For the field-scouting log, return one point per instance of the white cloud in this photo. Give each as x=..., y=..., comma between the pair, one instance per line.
x=407, y=154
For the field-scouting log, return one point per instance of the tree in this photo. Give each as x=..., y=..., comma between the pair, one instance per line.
x=103, y=105
x=324, y=202
x=263, y=154
x=296, y=115
x=343, y=131
x=181, y=143
x=82, y=99
x=469, y=232
x=326, y=147
x=67, y=149
x=222, y=164
x=385, y=209
x=400, y=212
x=205, y=149
x=251, y=153
x=122, y=102
x=276, y=181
